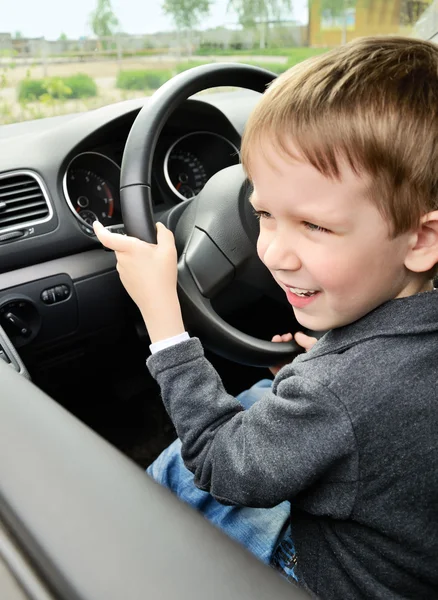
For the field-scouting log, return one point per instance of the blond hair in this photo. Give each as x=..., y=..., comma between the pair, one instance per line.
x=373, y=103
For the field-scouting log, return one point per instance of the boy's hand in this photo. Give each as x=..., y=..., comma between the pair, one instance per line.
x=149, y=275
x=303, y=340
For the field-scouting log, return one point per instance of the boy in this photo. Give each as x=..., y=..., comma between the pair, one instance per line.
x=342, y=151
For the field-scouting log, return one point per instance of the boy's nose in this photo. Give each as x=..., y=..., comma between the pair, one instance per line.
x=281, y=256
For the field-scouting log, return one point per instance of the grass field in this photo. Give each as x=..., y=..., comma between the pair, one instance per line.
x=104, y=72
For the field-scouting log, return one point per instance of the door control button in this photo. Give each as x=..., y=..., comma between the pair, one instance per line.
x=55, y=294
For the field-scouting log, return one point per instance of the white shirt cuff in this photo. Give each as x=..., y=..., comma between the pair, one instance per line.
x=176, y=339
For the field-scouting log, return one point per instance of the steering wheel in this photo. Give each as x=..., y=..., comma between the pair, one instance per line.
x=216, y=231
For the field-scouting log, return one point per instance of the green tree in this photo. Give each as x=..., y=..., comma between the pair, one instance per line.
x=186, y=14
x=103, y=21
x=62, y=37
x=258, y=13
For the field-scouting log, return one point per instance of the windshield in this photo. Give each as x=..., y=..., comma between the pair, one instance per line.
x=59, y=58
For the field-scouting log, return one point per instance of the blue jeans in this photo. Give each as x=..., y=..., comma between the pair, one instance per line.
x=263, y=531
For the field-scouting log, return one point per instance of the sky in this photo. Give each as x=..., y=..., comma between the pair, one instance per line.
x=50, y=18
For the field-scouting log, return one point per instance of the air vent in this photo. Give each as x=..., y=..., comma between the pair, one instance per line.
x=23, y=200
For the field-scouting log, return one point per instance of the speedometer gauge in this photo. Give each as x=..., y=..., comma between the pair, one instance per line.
x=194, y=158
x=186, y=173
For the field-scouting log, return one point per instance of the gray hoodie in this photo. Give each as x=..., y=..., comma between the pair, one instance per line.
x=349, y=435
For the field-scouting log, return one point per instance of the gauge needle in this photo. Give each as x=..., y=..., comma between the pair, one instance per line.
x=179, y=185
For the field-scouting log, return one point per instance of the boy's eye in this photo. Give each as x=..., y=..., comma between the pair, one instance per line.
x=261, y=214
x=313, y=227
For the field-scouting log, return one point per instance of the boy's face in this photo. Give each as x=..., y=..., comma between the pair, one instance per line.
x=325, y=236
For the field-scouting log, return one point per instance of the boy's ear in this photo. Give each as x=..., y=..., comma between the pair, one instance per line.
x=423, y=252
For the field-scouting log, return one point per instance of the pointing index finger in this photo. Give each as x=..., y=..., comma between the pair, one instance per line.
x=113, y=241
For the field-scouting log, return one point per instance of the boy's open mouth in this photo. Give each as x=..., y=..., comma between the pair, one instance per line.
x=299, y=298
x=302, y=293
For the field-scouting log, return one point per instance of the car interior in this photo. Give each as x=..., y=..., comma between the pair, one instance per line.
x=79, y=336
x=81, y=417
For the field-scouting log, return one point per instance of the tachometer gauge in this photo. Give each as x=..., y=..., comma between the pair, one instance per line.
x=88, y=216
x=91, y=188
x=90, y=193
x=185, y=173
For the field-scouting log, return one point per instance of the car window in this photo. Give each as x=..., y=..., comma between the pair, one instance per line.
x=96, y=52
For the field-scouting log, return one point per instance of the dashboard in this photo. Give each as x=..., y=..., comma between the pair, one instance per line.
x=184, y=164
x=57, y=175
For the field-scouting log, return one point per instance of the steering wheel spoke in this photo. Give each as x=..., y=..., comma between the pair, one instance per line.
x=209, y=267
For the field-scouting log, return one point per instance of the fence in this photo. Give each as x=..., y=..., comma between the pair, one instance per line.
x=40, y=50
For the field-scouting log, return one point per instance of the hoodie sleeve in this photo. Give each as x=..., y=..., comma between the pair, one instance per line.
x=257, y=457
